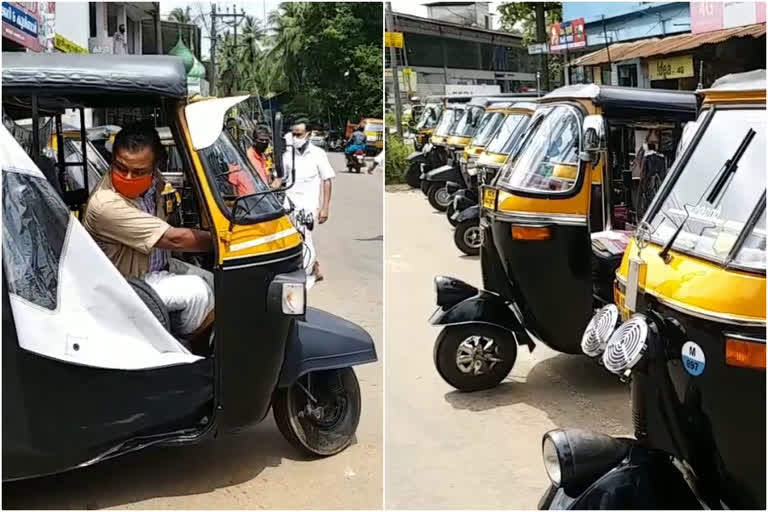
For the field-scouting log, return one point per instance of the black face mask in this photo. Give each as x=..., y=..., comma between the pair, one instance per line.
x=260, y=146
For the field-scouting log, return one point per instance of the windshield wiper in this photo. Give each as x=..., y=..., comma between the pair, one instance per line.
x=730, y=167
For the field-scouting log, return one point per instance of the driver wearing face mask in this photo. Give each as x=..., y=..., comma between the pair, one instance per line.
x=258, y=157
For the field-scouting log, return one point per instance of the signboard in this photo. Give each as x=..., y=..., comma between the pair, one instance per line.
x=538, y=48
x=21, y=26
x=567, y=35
x=709, y=16
x=393, y=39
x=471, y=90
x=672, y=67
x=63, y=44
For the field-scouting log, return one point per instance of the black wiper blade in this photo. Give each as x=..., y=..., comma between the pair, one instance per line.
x=730, y=167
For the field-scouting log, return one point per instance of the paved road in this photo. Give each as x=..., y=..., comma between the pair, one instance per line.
x=451, y=450
x=258, y=469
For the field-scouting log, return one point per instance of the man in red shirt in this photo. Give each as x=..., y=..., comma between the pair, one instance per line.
x=257, y=156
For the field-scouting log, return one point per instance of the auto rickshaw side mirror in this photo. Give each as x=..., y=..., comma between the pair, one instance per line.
x=593, y=138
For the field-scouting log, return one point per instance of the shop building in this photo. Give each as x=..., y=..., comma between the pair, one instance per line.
x=440, y=53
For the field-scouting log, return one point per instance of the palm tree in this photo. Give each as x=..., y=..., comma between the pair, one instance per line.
x=181, y=15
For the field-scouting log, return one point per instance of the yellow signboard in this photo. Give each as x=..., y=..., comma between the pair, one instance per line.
x=393, y=39
x=672, y=67
x=65, y=45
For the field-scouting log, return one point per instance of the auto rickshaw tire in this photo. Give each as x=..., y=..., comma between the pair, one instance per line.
x=413, y=175
x=305, y=434
x=447, y=346
x=424, y=186
x=152, y=300
x=462, y=232
x=449, y=213
x=434, y=190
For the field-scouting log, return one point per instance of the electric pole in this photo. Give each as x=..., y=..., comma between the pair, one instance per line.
x=395, y=77
x=541, y=37
x=233, y=20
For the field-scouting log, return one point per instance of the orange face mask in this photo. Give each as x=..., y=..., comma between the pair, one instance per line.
x=131, y=187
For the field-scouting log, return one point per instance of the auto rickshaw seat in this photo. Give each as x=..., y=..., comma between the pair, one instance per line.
x=607, y=252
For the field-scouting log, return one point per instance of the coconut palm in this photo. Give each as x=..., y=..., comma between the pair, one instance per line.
x=181, y=15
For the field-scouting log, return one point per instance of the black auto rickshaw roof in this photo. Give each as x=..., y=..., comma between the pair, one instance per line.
x=661, y=102
x=747, y=81
x=62, y=80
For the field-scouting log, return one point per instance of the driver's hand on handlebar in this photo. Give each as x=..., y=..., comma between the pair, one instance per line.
x=276, y=183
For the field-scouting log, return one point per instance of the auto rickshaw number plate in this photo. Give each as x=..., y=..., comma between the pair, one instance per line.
x=489, y=198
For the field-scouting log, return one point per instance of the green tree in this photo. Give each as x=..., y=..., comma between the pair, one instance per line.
x=521, y=16
x=181, y=15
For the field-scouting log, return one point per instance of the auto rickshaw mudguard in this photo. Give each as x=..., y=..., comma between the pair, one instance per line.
x=469, y=213
x=464, y=201
x=645, y=480
x=477, y=307
x=323, y=341
x=445, y=173
x=416, y=156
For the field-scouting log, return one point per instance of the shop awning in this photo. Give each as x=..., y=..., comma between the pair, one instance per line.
x=674, y=44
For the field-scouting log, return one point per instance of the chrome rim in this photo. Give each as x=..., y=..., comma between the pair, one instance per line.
x=473, y=237
x=443, y=197
x=477, y=355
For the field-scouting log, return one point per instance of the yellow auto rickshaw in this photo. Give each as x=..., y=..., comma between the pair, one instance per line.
x=687, y=330
x=374, y=134
x=95, y=354
x=554, y=228
x=511, y=120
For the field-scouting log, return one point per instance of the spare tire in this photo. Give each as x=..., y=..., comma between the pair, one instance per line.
x=152, y=300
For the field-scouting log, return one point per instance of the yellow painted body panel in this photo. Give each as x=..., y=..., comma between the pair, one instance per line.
x=567, y=172
x=253, y=236
x=700, y=285
x=437, y=140
x=471, y=150
x=454, y=140
x=724, y=97
x=492, y=158
x=574, y=205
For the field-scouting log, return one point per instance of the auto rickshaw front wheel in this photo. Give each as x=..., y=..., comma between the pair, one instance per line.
x=438, y=196
x=471, y=357
x=468, y=237
x=319, y=413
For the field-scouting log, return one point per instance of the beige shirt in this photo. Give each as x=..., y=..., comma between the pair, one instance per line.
x=124, y=232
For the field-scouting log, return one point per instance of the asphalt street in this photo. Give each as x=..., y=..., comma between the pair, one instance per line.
x=258, y=468
x=452, y=450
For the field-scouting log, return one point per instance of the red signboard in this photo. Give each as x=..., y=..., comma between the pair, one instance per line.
x=709, y=16
x=567, y=35
x=30, y=24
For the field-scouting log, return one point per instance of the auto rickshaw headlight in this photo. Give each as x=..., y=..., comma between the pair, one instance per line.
x=575, y=458
x=627, y=345
x=288, y=294
x=599, y=330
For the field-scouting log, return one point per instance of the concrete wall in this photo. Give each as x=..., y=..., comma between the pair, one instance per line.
x=72, y=22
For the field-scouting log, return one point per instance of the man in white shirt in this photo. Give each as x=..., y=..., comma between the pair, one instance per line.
x=313, y=174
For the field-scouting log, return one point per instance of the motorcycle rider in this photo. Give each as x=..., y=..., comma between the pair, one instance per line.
x=355, y=143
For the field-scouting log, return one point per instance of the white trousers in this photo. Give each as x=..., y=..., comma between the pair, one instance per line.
x=188, y=294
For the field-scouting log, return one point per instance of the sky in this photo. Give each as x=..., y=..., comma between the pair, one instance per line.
x=419, y=9
x=258, y=9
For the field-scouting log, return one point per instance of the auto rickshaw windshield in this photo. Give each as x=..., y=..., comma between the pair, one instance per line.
x=428, y=118
x=548, y=159
x=469, y=122
x=504, y=139
x=447, y=120
x=232, y=175
x=374, y=127
x=712, y=228
x=488, y=126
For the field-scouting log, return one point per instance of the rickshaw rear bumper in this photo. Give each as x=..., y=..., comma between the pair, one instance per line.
x=461, y=303
x=416, y=156
x=639, y=478
x=444, y=173
x=323, y=341
x=469, y=213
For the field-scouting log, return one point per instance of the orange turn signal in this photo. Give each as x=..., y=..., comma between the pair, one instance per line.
x=531, y=233
x=746, y=354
